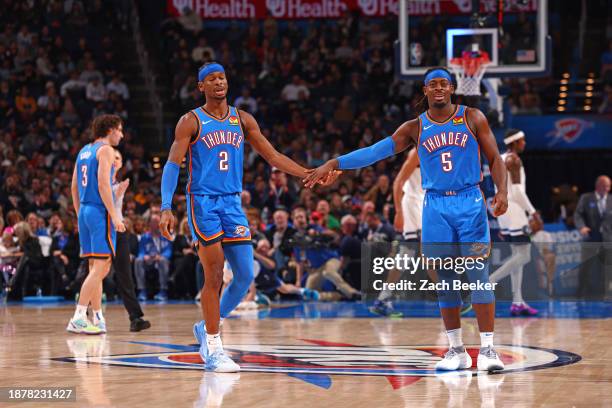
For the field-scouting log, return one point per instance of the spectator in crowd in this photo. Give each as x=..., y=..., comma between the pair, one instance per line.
x=593, y=218
x=246, y=102
x=154, y=252
x=95, y=91
x=329, y=221
x=64, y=252
x=268, y=282
x=119, y=87
x=184, y=257
x=322, y=262
x=378, y=231
x=280, y=192
x=295, y=90
x=350, y=251
x=380, y=194
x=30, y=274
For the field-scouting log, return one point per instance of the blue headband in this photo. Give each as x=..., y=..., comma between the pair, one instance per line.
x=209, y=69
x=438, y=73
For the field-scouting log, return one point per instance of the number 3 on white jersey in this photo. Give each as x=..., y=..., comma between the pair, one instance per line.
x=223, y=161
x=447, y=164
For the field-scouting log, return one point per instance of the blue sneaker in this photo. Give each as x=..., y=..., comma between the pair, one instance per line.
x=310, y=294
x=161, y=296
x=199, y=332
x=142, y=295
x=262, y=299
x=219, y=362
x=384, y=309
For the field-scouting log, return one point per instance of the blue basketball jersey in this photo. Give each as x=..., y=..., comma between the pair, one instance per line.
x=216, y=157
x=87, y=174
x=448, y=152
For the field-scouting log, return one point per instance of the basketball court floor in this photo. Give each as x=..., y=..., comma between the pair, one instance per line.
x=309, y=355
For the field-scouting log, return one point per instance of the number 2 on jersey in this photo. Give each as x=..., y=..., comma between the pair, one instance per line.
x=223, y=166
x=447, y=164
x=84, y=175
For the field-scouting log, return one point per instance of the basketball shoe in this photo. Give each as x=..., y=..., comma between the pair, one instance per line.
x=385, y=309
x=219, y=362
x=488, y=360
x=81, y=325
x=199, y=332
x=522, y=309
x=456, y=358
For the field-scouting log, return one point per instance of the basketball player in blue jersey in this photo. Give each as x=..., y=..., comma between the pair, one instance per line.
x=212, y=136
x=448, y=138
x=92, y=196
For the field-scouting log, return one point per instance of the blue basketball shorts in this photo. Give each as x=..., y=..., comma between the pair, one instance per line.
x=214, y=218
x=96, y=232
x=455, y=223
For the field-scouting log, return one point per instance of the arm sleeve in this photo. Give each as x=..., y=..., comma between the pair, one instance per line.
x=368, y=155
x=520, y=197
x=168, y=184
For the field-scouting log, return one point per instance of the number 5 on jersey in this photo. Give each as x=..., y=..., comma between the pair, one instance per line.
x=447, y=164
x=223, y=165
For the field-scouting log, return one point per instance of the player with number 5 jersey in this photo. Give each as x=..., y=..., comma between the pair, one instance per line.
x=449, y=138
x=212, y=138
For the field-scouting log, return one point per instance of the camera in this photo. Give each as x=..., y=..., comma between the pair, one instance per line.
x=307, y=241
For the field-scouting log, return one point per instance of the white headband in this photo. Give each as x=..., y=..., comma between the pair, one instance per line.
x=514, y=137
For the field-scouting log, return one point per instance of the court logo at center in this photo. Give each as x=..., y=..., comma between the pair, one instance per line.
x=325, y=358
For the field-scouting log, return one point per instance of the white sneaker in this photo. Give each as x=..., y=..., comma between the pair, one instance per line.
x=488, y=360
x=82, y=325
x=219, y=362
x=456, y=358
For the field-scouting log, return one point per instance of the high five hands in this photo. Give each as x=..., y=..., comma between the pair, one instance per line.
x=325, y=175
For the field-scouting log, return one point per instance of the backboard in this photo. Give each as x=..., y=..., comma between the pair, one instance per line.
x=514, y=33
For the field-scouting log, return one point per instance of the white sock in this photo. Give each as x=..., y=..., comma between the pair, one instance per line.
x=454, y=337
x=97, y=316
x=384, y=295
x=213, y=341
x=486, y=339
x=80, y=312
x=516, y=278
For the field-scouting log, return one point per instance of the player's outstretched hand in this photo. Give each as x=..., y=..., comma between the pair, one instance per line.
x=499, y=203
x=166, y=224
x=314, y=176
x=331, y=178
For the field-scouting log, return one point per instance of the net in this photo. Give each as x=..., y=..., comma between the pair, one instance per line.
x=469, y=70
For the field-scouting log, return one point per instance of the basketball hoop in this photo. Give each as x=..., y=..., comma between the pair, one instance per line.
x=469, y=70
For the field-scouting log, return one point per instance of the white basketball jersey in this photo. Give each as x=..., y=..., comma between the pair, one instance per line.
x=514, y=222
x=412, y=204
